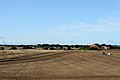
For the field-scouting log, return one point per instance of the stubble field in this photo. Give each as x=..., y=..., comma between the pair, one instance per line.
x=59, y=65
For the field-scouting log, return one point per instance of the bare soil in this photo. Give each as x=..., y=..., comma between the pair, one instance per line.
x=59, y=65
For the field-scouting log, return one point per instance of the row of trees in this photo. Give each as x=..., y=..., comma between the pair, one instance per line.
x=12, y=48
x=60, y=47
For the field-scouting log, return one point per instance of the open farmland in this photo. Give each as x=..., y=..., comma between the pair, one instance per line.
x=65, y=65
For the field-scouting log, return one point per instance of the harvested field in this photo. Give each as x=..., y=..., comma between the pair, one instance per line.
x=58, y=65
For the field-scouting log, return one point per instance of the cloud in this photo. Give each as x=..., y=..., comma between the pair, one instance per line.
x=110, y=24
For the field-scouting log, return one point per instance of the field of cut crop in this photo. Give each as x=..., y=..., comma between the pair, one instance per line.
x=59, y=65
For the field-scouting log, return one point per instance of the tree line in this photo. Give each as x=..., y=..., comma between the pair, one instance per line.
x=59, y=47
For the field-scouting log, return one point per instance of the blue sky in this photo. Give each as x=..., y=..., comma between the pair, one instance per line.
x=59, y=21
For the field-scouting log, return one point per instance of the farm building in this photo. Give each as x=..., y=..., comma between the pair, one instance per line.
x=97, y=46
x=94, y=46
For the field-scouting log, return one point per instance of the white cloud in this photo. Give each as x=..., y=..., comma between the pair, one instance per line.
x=109, y=24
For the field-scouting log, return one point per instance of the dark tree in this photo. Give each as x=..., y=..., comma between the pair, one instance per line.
x=2, y=48
x=69, y=48
x=13, y=48
x=103, y=45
x=93, y=48
x=28, y=47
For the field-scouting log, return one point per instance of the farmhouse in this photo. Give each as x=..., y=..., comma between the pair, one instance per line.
x=95, y=46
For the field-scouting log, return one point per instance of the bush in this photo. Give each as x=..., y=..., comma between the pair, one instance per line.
x=13, y=48
x=84, y=48
x=51, y=49
x=2, y=48
x=28, y=47
x=93, y=48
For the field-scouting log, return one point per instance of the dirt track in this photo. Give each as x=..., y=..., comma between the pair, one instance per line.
x=52, y=65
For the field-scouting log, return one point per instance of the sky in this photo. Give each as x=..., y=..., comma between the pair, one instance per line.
x=59, y=21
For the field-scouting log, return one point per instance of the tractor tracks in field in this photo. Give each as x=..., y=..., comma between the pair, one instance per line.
x=33, y=58
x=59, y=65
